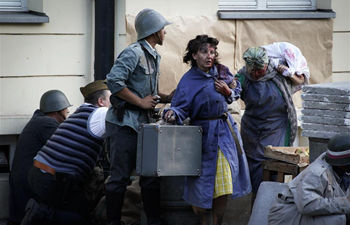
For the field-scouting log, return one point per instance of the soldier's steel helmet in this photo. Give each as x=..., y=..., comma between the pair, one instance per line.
x=338, y=153
x=53, y=101
x=149, y=21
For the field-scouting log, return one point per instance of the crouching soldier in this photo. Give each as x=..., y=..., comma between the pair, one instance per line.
x=63, y=166
x=53, y=111
x=320, y=194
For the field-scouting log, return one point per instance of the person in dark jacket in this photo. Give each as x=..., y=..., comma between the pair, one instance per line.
x=63, y=166
x=53, y=110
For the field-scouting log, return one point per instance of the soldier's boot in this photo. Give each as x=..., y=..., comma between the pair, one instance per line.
x=114, y=203
x=37, y=214
x=151, y=205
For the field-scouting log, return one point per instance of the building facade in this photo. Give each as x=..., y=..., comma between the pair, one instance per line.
x=47, y=44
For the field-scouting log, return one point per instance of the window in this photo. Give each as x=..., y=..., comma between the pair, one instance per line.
x=274, y=9
x=13, y=5
x=230, y=5
x=17, y=11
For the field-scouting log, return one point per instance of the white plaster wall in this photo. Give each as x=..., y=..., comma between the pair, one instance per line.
x=35, y=58
x=174, y=8
x=341, y=41
x=120, y=27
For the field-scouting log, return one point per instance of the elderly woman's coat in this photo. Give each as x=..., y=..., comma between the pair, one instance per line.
x=269, y=117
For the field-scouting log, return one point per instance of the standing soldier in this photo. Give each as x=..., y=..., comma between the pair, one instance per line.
x=133, y=81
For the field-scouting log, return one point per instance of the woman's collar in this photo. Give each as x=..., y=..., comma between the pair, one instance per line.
x=212, y=72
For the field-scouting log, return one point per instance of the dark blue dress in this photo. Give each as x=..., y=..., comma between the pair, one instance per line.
x=197, y=99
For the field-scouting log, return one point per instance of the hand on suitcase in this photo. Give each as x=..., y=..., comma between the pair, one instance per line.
x=169, y=116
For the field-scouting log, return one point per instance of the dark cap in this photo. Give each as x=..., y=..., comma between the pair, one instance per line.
x=338, y=153
x=92, y=87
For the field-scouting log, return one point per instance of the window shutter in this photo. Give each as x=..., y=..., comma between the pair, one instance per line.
x=13, y=5
x=238, y=4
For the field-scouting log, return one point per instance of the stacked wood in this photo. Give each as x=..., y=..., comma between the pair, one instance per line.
x=284, y=161
x=295, y=155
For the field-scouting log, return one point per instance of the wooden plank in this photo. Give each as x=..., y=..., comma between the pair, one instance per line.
x=294, y=155
x=280, y=177
x=281, y=167
x=266, y=175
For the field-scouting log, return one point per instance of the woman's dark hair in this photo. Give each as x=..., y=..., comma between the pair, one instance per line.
x=195, y=44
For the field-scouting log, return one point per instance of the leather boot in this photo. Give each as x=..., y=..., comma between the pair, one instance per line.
x=114, y=203
x=37, y=214
x=151, y=205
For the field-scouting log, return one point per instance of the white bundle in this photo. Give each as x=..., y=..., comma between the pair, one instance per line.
x=289, y=54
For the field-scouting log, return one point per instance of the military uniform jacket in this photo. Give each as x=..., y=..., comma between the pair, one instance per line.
x=137, y=68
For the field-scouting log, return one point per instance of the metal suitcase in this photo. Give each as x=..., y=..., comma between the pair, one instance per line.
x=169, y=150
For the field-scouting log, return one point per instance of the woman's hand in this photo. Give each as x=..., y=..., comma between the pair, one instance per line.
x=221, y=87
x=169, y=116
x=233, y=84
x=284, y=70
x=298, y=79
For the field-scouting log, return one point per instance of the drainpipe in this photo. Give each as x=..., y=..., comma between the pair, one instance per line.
x=104, y=38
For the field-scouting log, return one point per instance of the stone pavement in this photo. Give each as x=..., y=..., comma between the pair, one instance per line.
x=238, y=211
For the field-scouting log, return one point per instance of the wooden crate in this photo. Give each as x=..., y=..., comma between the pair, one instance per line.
x=282, y=169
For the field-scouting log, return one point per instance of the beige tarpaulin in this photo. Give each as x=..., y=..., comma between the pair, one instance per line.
x=313, y=37
x=178, y=34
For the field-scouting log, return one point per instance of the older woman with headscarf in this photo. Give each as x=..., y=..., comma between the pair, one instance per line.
x=269, y=117
x=202, y=95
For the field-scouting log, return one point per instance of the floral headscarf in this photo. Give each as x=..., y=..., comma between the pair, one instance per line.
x=255, y=57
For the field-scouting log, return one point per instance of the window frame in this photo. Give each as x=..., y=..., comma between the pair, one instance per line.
x=267, y=5
x=22, y=7
x=21, y=13
x=257, y=9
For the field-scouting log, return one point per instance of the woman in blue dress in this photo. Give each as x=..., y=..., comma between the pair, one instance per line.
x=270, y=116
x=202, y=95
